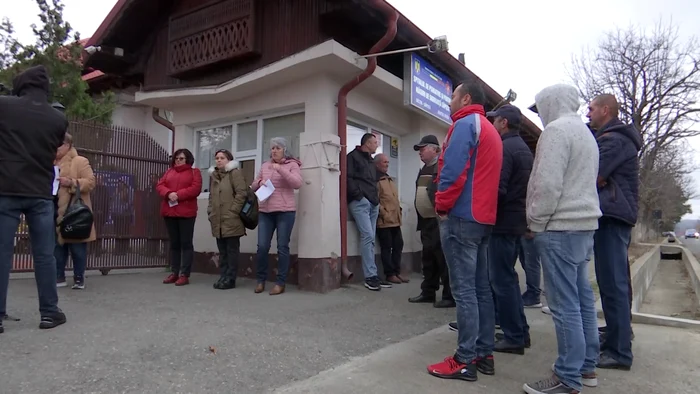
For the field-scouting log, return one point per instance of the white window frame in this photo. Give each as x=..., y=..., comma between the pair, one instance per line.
x=371, y=127
x=253, y=154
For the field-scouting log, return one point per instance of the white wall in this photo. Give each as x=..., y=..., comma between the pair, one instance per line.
x=318, y=202
x=141, y=118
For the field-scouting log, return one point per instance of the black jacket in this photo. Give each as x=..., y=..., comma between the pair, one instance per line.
x=362, y=177
x=30, y=133
x=619, y=146
x=512, y=190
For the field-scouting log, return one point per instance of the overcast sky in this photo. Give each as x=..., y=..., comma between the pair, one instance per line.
x=510, y=44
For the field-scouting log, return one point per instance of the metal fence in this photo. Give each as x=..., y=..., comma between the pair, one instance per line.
x=130, y=231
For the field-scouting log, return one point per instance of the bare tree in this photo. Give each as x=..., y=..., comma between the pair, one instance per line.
x=656, y=79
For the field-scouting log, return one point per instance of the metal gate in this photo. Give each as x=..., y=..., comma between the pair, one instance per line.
x=130, y=231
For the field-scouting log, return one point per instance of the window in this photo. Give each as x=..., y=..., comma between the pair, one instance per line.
x=249, y=141
x=289, y=127
x=209, y=141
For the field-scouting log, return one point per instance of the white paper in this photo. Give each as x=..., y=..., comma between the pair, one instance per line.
x=172, y=203
x=56, y=183
x=265, y=191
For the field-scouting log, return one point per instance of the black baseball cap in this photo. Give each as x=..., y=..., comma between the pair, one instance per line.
x=426, y=140
x=509, y=112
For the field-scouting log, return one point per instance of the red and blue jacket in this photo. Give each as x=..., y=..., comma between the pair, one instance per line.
x=469, y=168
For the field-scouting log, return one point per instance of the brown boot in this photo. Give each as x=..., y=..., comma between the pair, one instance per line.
x=394, y=279
x=277, y=290
x=404, y=280
x=259, y=288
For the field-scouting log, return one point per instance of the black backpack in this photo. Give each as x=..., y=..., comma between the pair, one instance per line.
x=77, y=220
x=249, y=211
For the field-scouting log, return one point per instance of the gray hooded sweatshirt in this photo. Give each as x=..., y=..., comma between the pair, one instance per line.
x=562, y=194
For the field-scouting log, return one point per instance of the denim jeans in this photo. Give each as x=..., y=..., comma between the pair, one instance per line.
x=565, y=256
x=503, y=253
x=365, y=216
x=268, y=223
x=78, y=253
x=465, y=245
x=530, y=261
x=39, y=214
x=611, y=268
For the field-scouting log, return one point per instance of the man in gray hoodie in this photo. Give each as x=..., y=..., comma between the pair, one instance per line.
x=562, y=211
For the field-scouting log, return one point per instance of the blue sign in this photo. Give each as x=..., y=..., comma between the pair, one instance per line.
x=426, y=88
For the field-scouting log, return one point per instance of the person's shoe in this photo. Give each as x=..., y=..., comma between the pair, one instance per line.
x=52, y=320
x=172, y=278
x=182, y=281
x=499, y=337
x=394, y=279
x=453, y=369
x=443, y=303
x=546, y=310
x=402, y=279
x=549, y=386
x=277, y=290
x=260, y=287
x=453, y=326
x=422, y=298
x=78, y=284
x=2, y=329
x=607, y=362
x=373, y=284
x=227, y=284
x=604, y=330
x=384, y=284
x=531, y=304
x=589, y=379
x=61, y=282
x=217, y=284
x=486, y=365
x=503, y=346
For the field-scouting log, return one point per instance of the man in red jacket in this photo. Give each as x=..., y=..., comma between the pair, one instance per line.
x=469, y=170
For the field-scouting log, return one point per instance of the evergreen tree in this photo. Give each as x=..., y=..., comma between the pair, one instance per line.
x=57, y=47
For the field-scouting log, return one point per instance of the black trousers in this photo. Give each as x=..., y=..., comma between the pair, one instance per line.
x=433, y=261
x=391, y=245
x=181, y=231
x=229, y=250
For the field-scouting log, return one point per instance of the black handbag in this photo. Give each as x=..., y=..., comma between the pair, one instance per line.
x=77, y=220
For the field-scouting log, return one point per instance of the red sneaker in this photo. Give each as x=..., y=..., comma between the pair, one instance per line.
x=453, y=369
x=183, y=280
x=172, y=278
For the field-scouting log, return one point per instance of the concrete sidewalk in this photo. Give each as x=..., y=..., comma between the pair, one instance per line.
x=666, y=361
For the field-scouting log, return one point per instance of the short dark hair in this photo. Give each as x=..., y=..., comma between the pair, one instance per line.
x=189, y=157
x=366, y=138
x=475, y=89
x=225, y=152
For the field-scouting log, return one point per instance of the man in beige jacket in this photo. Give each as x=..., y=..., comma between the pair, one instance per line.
x=389, y=222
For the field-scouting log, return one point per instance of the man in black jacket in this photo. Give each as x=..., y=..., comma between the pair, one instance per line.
x=618, y=188
x=363, y=204
x=432, y=257
x=30, y=133
x=511, y=225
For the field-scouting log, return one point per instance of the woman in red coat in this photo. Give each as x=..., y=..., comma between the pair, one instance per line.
x=178, y=189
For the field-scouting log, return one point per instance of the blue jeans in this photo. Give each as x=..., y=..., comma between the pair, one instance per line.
x=283, y=223
x=611, y=264
x=503, y=253
x=565, y=256
x=465, y=245
x=365, y=216
x=530, y=260
x=78, y=253
x=39, y=214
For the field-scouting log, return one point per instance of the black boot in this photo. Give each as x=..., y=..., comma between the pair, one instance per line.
x=423, y=298
x=227, y=284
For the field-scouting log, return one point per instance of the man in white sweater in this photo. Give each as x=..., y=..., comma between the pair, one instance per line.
x=563, y=211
